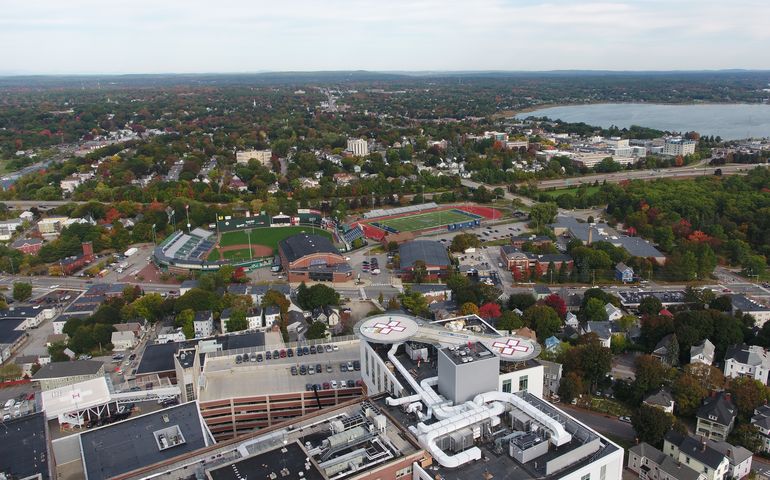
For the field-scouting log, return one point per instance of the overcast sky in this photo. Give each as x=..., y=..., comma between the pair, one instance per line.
x=157, y=36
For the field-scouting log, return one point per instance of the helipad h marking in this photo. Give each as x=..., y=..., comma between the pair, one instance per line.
x=509, y=347
x=386, y=328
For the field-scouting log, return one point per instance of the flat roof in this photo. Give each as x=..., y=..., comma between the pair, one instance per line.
x=8, y=330
x=124, y=446
x=468, y=353
x=25, y=446
x=159, y=357
x=77, y=396
x=289, y=458
x=68, y=369
x=429, y=251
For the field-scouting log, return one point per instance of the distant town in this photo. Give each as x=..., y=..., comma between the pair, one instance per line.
x=396, y=277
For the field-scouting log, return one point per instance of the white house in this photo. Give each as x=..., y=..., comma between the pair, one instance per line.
x=761, y=420
x=203, y=324
x=613, y=312
x=651, y=464
x=743, y=304
x=272, y=315
x=8, y=228
x=123, y=340
x=571, y=320
x=33, y=315
x=602, y=331
x=661, y=399
x=699, y=456
x=747, y=361
x=703, y=353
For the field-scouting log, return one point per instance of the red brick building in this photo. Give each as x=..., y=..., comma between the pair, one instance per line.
x=30, y=246
x=313, y=258
x=515, y=259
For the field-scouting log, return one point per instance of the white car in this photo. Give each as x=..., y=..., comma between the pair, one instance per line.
x=334, y=383
x=54, y=287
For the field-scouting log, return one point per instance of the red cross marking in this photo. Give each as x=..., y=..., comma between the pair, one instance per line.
x=386, y=328
x=509, y=347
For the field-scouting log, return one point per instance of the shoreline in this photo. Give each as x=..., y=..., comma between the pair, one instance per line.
x=510, y=113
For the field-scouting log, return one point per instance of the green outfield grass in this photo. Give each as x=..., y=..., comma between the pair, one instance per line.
x=572, y=191
x=268, y=237
x=424, y=221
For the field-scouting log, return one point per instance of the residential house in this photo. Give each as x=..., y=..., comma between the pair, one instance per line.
x=624, y=273
x=703, y=353
x=203, y=324
x=747, y=361
x=761, y=420
x=187, y=285
x=552, y=343
x=26, y=363
x=327, y=315
x=667, y=350
x=8, y=228
x=716, y=417
x=272, y=316
x=743, y=304
x=739, y=458
x=697, y=454
x=552, y=373
x=56, y=338
x=541, y=291
x=649, y=463
x=613, y=312
x=662, y=399
x=123, y=340
x=60, y=374
x=254, y=317
x=602, y=331
x=571, y=320
x=33, y=315
x=433, y=292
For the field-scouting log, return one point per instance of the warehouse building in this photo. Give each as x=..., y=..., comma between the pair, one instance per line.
x=307, y=257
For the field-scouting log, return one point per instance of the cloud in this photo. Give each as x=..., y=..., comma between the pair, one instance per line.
x=52, y=36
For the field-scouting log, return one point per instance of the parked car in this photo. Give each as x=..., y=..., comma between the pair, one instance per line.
x=312, y=349
x=356, y=365
x=290, y=352
x=334, y=383
x=238, y=359
x=327, y=386
x=303, y=370
x=294, y=371
x=268, y=355
x=625, y=419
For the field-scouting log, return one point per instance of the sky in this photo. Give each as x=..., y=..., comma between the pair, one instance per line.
x=196, y=36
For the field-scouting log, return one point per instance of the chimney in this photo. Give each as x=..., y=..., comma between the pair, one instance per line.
x=88, y=250
x=703, y=445
x=728, y=396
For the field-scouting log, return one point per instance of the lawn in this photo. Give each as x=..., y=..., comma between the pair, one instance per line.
x=572, y=191
x=237, y=255
x=425, y=220
x=268, y=237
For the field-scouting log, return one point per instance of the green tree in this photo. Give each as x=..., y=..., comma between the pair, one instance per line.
x=56, y=351
x=317, y=330
x=542, y=214
x=149, y=307
x=419, y=271
x=596, y=362
x=185, y=319
x=414, y=302
x=22, y=291
x=650, y=306
x=543, y=319
x=651, y=374
x=464, y=241
x=651, y=424
x=594, y=311
x=509, y=322
x=747, y=395
x=521, y=301
x=571, y=387
x=747, y=436
x=10, y=371
x=688, y=394
x=237, y=321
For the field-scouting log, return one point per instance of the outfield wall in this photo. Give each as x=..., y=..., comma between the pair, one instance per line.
x=226, y=223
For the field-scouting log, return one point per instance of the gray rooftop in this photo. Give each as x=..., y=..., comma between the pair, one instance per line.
x=431, y=252
x=68, y=369
x=719, y=406
x=9, y=332
x=25, y=446
x=124, y=446
x=297, y=246
x=747, y=305
x=291, y=457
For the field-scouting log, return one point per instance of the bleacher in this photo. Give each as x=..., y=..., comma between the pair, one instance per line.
x=400, y=210
x=351, y=233
x=188, y=247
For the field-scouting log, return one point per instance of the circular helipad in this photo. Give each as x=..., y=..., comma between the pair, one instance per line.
x=388, y=328
x=513, y=349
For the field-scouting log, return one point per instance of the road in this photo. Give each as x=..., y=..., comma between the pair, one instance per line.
x=602, y=423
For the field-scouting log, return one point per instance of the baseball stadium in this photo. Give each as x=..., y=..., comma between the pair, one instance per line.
x=250, y=241
x=418, y=219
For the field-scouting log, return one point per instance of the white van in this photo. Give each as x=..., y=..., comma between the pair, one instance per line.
x=9, y=404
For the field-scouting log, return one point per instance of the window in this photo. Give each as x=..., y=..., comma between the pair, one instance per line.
x=507, y=386
x=587, y=476
x=523, y=383
x=404, y=472
x=603, y=473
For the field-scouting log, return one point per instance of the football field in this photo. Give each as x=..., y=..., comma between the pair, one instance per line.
x=424, y=221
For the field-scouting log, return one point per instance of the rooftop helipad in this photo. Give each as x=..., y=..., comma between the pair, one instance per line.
x=398, y=328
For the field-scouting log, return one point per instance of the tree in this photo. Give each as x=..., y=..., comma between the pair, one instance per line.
x=688, y=394
x=22, y=291
x=747, y=436
x=237, y=321
x=56, y=351
x=415, y=303
x=185, y=319
x=489, y=311
x=542, y=214
x=723, y=303
x=594, y=311
x=710, y=378
x=747, y=395
x=469, y=308
x=595, y=361
x=10, y=371
x=317, y=330
x=650, y=306
x=393, y=304
x=419, y=271
x=509, y=322
x=149, y=307
x=651, y=424
x=464, y=241
x=521, y=301
x=318, y=295
x=571, y=387
x=650, y=375
x=557, y=303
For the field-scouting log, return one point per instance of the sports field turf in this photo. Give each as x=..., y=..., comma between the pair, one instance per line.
x=267, y=236
x=237, y=255
x=424, y=221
